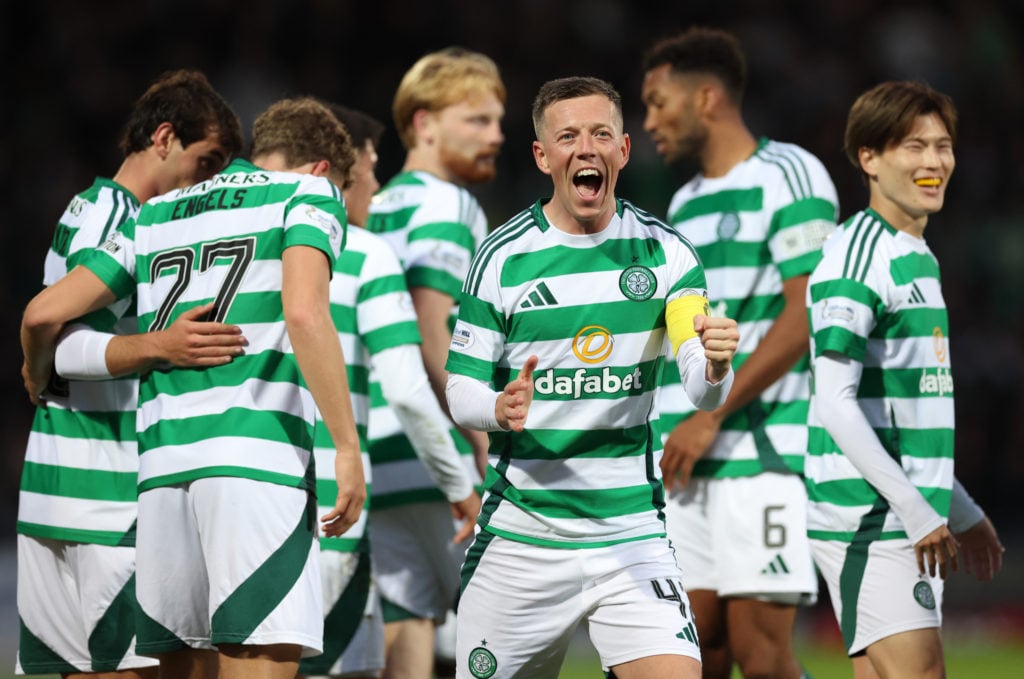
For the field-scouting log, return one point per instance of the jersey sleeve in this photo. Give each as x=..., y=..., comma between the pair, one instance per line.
x=478, y=340
x=439, y=250
x=686, y=272
x=114, y=261
x=315, y=217
x=384, y=309
x=804, y=213
x=842, y=314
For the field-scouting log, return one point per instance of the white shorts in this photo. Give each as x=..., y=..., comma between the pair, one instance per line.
x=744, y=537
x=353, y=626
x=878, y=591
x=415, y=562
x=521, y=604
x=77, y=607
x=228, y=560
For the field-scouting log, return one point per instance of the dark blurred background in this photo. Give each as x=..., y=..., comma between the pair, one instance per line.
x=72, y=70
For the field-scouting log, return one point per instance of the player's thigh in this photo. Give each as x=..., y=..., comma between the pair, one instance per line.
x=414, y=563
x=689, y=530
x=353, y=627
x=67, y=595
x=761, y=545
x=637, y=606
x=263, y=560
x=876, y=590
x=659, y=667
x=519, y=607
x=916, y=653
x=171, y=579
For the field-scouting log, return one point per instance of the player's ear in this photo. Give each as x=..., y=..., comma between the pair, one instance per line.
x=541, y=158
x=162, y=137
x=868, y=160
x=320, y=168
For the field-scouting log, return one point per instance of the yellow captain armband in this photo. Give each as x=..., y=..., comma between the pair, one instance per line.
x=679, y=316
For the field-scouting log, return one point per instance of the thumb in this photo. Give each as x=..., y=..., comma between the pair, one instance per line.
x=700, y=322
x=527, y=372
x=197, y=313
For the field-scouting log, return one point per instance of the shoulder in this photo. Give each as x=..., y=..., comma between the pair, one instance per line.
x=796, y=168
x=857, y=247
x=643, y=224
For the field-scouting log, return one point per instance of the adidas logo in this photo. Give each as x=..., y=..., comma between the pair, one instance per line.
x=915, y=295
x=539, y=296
x=776, y=566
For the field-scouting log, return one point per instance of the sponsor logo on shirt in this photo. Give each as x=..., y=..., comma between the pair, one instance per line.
x=939, y=344
x=593, y=344
x=112, y=245
x=462, y=338
x=939, y=382
x=838, y=311
x=588, y=381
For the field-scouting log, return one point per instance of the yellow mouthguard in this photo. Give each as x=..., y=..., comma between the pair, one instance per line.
x=931, y=181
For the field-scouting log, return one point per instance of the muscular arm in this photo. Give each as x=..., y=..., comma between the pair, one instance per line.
x=778, y=351
x=306, y=302
x=86, y=354
x=74, y=295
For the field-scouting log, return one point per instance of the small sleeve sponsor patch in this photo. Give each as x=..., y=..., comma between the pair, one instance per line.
x=462, y=338
x=837, y=311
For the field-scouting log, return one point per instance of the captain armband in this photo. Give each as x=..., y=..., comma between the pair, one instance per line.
x=679, y=315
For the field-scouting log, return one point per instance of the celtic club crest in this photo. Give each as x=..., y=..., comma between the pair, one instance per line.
x=482, y=663
x=638, y=283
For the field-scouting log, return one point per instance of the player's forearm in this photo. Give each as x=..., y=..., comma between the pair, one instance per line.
x=964, y=512
x=473, y=403
x=693, y=368
x=836, y=406
x=318, y=352
x=405, y=386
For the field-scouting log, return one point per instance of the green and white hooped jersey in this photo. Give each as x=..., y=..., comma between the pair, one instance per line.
x=373, y=312
x=435, y=227
x=81, y=463
x=592, y=308
x=759, y=225
x=876, y=297
x=222, y=241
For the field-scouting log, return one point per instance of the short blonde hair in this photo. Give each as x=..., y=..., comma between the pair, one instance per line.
x=439, y=80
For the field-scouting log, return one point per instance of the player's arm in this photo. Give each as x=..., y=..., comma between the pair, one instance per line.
x=433, y=309
x=190, y=342
x=76, y=294
x=980, y=548
x=478, y=407
x=405, y=386
x=703, y=348
x=305, y=297
x=836, y=379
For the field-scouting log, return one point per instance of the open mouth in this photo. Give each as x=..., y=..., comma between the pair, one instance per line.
x=928, y=181
x=588, y=182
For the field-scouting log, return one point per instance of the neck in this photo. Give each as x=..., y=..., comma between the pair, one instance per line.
x=729, y=144
x=134, y=176
x=562, y=220
x=898, y=219
x=421, y=160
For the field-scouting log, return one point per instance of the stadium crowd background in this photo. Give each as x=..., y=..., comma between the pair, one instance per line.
x=72, y=69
